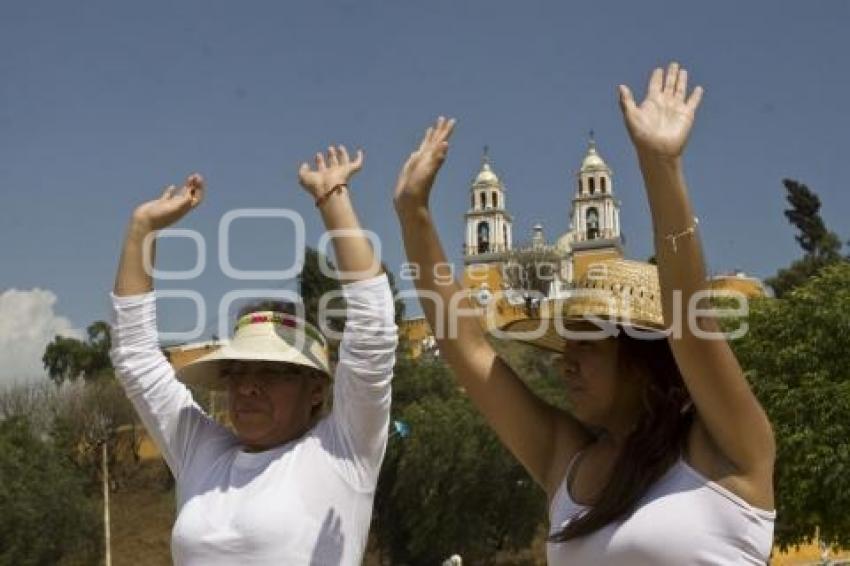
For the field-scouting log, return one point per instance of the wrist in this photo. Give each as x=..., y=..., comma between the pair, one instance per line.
x=658, y=160
x=340, y=189
x=139, y=228
x=412, y=212
x=406, y=203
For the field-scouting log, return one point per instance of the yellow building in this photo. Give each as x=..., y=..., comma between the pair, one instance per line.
x=417, y=333
x=179, y=356
x=594, y=232
x=739, y=282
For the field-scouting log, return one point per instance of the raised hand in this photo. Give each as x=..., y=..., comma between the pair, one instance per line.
x=661, y=124
x=419, y=171
x=334, y=169
x=173, y=205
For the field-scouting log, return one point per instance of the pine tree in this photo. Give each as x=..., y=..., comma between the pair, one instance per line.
x=820, y=246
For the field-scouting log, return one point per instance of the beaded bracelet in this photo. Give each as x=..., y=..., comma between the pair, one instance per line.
x=336, y=188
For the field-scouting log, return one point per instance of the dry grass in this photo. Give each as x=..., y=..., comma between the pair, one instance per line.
x=142, y=514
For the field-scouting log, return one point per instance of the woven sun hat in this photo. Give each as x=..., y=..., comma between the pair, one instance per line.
x=612, y=293
x=264, y=336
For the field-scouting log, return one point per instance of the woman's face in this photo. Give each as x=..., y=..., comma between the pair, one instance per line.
x=272, y=403
x=598, y=391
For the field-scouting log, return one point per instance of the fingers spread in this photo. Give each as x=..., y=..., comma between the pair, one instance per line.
x=670, y=78
x=332, y=158
x=655, y=81
x=320, y=162
x=438, y=127
x=681, y=84
x=448, y=128
x=427, y=138
x=695, y=98
x=627, y=101
x=358, y=160
x=344, y=159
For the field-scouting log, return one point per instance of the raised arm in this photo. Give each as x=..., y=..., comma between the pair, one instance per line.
x=541, y=437
x=165, y=405
x=732, y=416
x=132, y=277
x=328, y=185
x=358, y=427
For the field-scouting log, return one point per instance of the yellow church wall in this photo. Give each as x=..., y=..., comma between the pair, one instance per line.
x=477, y=274
x=583, y=260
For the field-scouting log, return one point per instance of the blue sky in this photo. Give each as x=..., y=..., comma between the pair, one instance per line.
x=104, y=103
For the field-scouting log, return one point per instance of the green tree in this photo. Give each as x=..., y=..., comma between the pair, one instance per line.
x=820, y=246
x=450, y=486
x=67, y=359
x=313, y=284
x=795, y=354
x=46, y=518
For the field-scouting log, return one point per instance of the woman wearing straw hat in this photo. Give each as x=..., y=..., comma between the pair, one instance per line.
x=289, y=485
x=666, y=457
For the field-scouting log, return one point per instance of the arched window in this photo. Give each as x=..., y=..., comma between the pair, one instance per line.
x=505, y=236
x=592, y=221
x=483, y=200
x=483, y=237
x=495, y=200
x=591, y=184
x=602, y=184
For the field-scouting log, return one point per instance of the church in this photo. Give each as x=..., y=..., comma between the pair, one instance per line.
x=541, y=269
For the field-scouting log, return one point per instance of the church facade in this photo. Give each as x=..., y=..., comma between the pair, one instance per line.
x=508, y=279
x=494, y=265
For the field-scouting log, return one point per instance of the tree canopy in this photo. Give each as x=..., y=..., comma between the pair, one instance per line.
x=450, y=486
x=820, y=246
x=795, y=355
x=46, y=515
x=67, y=359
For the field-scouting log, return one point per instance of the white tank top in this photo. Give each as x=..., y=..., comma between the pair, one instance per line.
x=683, y=519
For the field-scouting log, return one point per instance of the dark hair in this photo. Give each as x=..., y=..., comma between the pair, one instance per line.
x=654, y=445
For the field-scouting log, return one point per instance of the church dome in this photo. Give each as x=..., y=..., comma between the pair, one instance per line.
x=593, y=160
x=565, y=242
x=486, y=176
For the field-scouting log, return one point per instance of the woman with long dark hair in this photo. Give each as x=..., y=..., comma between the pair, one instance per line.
x=666, y=457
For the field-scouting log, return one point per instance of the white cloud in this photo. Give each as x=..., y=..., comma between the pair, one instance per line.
x=27, y=325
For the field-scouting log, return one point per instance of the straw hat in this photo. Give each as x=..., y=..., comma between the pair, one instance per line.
x=612, y=292
x=262, y=336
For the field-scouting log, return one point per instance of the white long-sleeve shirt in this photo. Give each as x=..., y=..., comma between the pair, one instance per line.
x=308, y=501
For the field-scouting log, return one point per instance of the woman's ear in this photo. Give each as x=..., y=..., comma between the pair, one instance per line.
x=319, y=391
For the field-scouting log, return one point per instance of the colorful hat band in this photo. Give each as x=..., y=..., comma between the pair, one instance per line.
x=282, y=319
